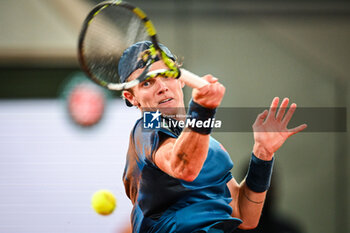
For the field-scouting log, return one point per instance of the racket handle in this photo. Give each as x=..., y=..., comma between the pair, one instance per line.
x=192, y=80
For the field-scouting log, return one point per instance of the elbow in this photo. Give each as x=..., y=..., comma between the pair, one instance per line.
x=189, y=177
x=248, y=225
x=244, y=226
x=186, y=174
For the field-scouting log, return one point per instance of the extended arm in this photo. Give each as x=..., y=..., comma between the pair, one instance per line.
x=183, y=158
x=270, y=132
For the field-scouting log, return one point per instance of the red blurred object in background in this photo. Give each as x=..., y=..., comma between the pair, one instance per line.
x=86, y=104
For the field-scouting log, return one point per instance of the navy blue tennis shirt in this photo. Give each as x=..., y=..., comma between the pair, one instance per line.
x=164, y=204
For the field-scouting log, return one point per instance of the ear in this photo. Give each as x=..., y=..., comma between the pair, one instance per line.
x=131, y=98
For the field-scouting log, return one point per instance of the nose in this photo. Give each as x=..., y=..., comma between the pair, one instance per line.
x=162, y=86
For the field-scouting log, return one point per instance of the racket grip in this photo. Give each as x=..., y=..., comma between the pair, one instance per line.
x=191, y=79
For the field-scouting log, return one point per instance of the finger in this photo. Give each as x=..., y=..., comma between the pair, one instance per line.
x=222, y=88
x=216, y=92
x=216, y=89
x=289, y=114
x=202, y=91
x=210, y=78
x=282, y=109
x=261, y=117
x=297, y=129
x=273, y=107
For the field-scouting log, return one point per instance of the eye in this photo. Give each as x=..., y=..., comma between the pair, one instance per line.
x=146, y=83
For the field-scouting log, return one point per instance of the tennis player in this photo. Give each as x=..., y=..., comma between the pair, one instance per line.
x=179, y=179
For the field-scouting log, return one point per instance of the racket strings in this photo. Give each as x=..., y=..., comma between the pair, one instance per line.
x=109, y=33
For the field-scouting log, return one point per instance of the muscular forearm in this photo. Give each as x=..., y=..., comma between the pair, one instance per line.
x=248, y=197
x=250, y=205
x=251, y=202
x=246, y=204
x=183, y=158
x=189, y=153
x=191, y=148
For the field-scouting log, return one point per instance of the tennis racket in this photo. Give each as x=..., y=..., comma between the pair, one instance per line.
x=109, y=29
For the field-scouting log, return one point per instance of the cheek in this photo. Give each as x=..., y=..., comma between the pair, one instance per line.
x=145, y=98
x=177, y=88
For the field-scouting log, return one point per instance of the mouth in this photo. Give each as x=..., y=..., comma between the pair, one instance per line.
x=165, y=100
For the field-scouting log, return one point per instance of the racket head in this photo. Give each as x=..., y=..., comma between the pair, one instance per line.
x=108, y=30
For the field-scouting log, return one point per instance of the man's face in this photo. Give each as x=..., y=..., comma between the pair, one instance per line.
x=160, y=93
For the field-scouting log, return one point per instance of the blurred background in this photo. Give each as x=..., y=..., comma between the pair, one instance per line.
x=52, y=161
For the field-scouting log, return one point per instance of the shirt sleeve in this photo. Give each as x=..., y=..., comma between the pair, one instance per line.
x=146, y=142
x=142, y=146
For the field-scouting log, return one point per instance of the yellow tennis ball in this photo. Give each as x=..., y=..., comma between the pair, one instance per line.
x=103, y=202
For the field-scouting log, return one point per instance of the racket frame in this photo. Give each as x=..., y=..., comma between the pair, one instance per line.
x=191, y=79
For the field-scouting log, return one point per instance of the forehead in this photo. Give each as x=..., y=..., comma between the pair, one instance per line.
x=155, y=66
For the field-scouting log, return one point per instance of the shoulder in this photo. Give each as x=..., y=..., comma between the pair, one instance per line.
x=146, y=141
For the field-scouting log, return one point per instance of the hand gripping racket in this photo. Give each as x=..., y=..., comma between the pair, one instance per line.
x=110, y=28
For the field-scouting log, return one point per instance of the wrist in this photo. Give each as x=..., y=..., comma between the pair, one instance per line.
x=262, y=153
x=198, y=115
x=259, y=174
